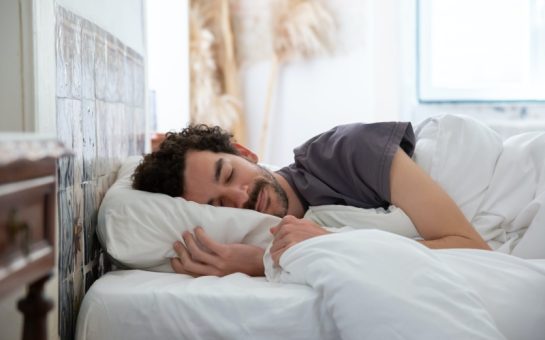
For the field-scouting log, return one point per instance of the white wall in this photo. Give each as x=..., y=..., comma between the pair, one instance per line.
x=361, y=83
x=44, y=66
x=168, y=62
x=11, y=82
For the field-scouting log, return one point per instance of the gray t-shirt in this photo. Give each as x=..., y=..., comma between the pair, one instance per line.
x=349, y=164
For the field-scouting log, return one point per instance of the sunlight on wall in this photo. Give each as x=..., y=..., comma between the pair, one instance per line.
x=168, y=63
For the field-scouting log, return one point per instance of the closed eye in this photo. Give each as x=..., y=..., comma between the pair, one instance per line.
x=230, y=177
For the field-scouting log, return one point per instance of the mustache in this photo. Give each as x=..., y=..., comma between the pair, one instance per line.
x=259, y=185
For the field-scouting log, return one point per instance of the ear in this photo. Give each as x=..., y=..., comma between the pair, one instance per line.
x=246, y=153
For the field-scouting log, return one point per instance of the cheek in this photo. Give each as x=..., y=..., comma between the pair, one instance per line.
x=198, y=191
x=249, y=174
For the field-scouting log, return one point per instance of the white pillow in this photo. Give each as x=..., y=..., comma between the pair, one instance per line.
x=393, y=219
x=460, y=154
x=138, y=228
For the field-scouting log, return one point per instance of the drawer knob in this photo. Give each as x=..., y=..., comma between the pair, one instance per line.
x=16, y=228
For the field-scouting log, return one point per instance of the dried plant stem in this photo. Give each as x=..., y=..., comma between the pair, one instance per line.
x=302, y=29
x=273, y=79
x=230, y=69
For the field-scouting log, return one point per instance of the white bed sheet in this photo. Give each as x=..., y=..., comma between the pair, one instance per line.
x=135, y=304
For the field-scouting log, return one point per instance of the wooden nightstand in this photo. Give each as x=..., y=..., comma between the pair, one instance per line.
x=27, y=223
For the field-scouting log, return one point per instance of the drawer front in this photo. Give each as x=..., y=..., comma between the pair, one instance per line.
x=26, y=223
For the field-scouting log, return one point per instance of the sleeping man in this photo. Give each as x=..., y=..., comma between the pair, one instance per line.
x=361, y=165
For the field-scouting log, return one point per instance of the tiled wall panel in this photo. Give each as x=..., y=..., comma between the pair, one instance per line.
x=101, y=116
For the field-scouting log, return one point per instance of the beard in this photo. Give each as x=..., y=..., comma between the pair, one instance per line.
x=278, y=193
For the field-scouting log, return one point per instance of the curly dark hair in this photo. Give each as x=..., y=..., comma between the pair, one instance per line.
x=162, y=171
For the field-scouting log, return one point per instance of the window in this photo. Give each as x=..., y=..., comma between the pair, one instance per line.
x=481, y=50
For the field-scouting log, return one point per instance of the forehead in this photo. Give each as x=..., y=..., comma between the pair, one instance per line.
x=201, y=164
x=200, y=157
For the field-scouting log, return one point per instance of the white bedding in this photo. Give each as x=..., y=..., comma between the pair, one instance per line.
x=378, y=285
x=135, y=304
x=364, y=284
x=370, y=284
x=499, y=185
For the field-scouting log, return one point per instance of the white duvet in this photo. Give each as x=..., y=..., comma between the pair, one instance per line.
x=499, y=185
x=377, y=285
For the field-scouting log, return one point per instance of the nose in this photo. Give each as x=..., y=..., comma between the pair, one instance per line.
x=235, y=196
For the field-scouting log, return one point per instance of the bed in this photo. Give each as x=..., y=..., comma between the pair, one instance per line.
x=366, y=281
x=137, y=304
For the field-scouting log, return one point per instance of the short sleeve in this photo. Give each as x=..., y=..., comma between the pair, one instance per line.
x=349, y=164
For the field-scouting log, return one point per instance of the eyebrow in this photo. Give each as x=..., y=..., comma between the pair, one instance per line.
x=219, y=166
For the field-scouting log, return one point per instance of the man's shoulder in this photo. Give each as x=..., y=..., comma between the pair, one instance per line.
x=348, y=131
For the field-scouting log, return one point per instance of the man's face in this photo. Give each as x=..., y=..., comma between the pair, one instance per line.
x=226, y=180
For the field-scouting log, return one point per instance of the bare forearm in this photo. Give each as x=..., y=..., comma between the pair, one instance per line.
x=455, y=242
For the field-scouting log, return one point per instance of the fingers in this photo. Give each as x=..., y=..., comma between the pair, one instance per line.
x=187, y=265
x=288, y=219
x=278, y=244
x=176, y=262
x=291, y=231
x=281, y=234
x=276, y=254
x=178, y=267
x=205, y=240
x=196, y=252
x=281, y=243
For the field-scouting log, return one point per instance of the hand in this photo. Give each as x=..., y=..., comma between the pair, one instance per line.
x=203, y=256
x=290, y=231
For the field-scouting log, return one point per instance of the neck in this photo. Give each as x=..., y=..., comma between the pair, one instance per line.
x=295, y=207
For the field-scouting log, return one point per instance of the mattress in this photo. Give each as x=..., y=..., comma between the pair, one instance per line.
x=135, y=304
